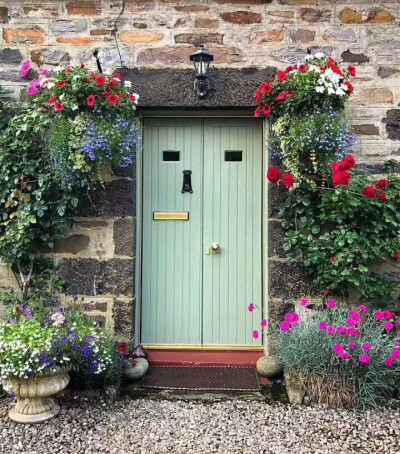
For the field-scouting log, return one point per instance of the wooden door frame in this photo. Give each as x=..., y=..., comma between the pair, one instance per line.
x=139, y=226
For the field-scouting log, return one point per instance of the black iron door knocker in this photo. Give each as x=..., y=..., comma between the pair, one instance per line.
x=187, y=181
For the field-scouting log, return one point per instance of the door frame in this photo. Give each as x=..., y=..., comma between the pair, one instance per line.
x=139, y=226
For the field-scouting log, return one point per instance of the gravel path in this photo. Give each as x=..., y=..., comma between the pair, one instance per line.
x=149, y=425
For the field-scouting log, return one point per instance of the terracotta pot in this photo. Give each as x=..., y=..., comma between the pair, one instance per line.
x=34, y=404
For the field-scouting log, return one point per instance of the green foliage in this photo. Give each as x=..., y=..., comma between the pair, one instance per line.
x=338, y=233
x=307, y=350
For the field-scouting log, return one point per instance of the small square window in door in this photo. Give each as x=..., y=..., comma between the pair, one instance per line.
x=233, y=156
x=171, y=156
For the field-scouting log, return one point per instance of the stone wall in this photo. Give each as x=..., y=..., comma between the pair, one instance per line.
x=98, y=257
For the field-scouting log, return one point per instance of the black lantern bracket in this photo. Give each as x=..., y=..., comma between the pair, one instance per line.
x=201, y=60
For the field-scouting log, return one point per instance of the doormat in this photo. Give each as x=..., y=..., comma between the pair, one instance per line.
x=201, y=378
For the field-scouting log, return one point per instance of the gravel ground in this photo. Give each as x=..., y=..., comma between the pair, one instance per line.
x=149, y=425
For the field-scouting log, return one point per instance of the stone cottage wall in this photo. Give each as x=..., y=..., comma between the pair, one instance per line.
x=98, y=257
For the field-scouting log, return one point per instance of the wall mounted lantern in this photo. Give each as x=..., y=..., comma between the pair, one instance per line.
x=201, y=60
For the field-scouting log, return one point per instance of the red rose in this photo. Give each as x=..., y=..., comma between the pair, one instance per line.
x=340, y=178
x=100, y=81
x=58, y=106
x=333, y=259
x=282, y=76
x=52, y=100
x=350, y=87
x=273, y=175
x=369, y=192
x=288, y=180
x=351, y=70
x=382, y=197
x=303, y=68
x=382, y=184
x=267, y=109
x=62, y=83
x=113, y=99
x=398, y=255
x=91, y=101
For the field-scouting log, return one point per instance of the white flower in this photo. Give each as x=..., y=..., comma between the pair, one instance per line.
x=319, y=89
x=136, y=96
x=344, y=87
x=319, y=55
x=74, y=107
x=314, y=68
x=62, y=96
x=76, y=77
x=127, y=83
x=340, y=92
x=50, y=84
x=331, y=91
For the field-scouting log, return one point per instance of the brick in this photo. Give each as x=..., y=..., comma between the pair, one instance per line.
x=77, y=41
x=301, y=35
x=206, y=23
x=100, y=32
x=192, y=9
x=365, y=130
x=350, y=57
x=197, y=39
x=3, y=15
x=349, y=16
x=10, y=56
x=267, y=36
x=37, y=11
x=82, y=8
x=139, y=5
x=34, y=35
x=373, y=96
x=281, y=14
x=140, y=25
x=241, y=17
x=381, y=17
x=392, y=122
x=313, y=15
x=50, y=56
x=347, y=35
x=69, y=26
x=140, y=37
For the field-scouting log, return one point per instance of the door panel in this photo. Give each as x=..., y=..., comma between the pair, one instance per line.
x=172, y=274
x=232, y=211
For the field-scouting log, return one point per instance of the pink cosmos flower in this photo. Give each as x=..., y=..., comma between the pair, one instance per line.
x=341, y=330
x=396, y=354
x=284, y=326
x=352, y=345
x=338, y=349
x=388, y=326
x=44, y=72
x=378, y=315
x=25, y=68
x=264, y=323
x=256, y=334
x=346, y=356
x=251, y=307
x=331, y=304
x=350, y=322
x=363, y=308
x=330, y=330
x=389, y=361
x=32, y=91
x=364, y=359
x=323, y=325
x=366, y=346
x=304, y=302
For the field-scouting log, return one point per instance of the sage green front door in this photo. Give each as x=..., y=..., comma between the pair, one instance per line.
x=202, y=231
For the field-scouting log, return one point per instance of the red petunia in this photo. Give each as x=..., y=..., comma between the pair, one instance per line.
x=369, y=192
x=382, y=197
x=104, y=94
x=133, y=98
x=273, y=174
x=341, y=178
x=91, y=101
x=267, y=109
x=120, y=95
x=113, y=82
x=382, y=184
x=257, y=112
x=303, y=68
x=100, y=81
x=350, y=88
x=282, y=76
x=284, y=95
x=113, y=99
x=85, y=80
x=117, y=75
x=288, y=180
x=52, y=100
x=351, y=70
x=58, y=106
x=62, y=83
x=109, y=88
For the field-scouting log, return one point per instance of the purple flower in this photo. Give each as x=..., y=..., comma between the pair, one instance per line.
x=13, y=395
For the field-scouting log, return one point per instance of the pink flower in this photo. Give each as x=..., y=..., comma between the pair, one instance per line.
x=378, y=315
x=346, y=356
x=355, y=316
x=352, y=345
x=338, y=349
x=397, y=344
x=251, y=307
x=44, y=72
x=350, y=322
x=363, y=308
x=366, y=346
x=35, y=83
x=364, y=359
x=398, y=333
x=264, y=323
x=326, y=292
x=32, y=91
x=284, y=326
x=68, y=70
x=331, y=304
x=389, y=361
x=396, y=354
x=330, y=330
x=341, y=330
x=397, y=322
x=323, y=325
x=387, y=315
x=291, y=318
x=256, y=334
x=25, y=68
x=304, y=302
x=388, y=326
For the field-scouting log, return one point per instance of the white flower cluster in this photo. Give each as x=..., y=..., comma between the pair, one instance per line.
x=332, y=83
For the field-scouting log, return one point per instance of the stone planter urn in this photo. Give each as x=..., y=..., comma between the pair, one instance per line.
x=34, y=404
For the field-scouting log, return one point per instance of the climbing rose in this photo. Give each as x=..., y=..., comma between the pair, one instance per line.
x=351, y=70
x=341, y=178
x=288, y=180
x=264, y=323
x=366, y=347
x=389, y=361
x=364, y=359
x=331, y=304
x=352, y=345
x=100, y=81
x=251, y=307
x=323, y=325
x=91, y=101
x=388, y=326
x=273, y=175
x=396, y=354
x=382, y=197
x=113, y=99
x=382, y=184
x=284, y=326
x=256, y=334
x=338, y=349
x=363, y=308
x=369, y=192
